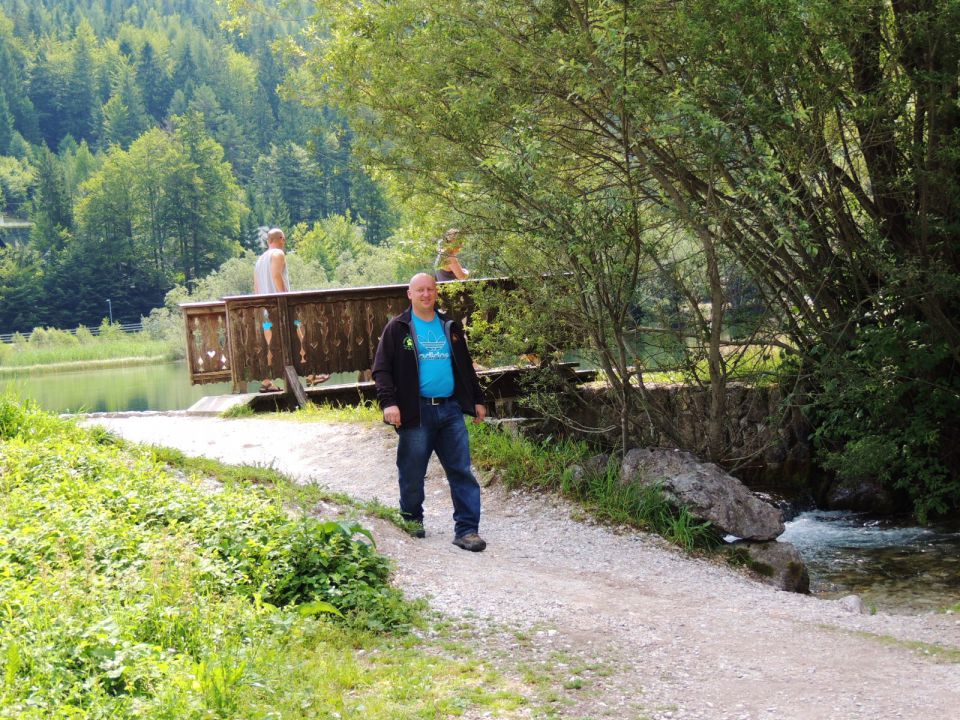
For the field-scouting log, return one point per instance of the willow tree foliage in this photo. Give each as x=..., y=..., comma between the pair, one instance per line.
x=810, y=145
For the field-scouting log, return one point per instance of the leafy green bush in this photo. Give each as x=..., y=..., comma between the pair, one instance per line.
x=38, y=337
x=126, y=589
x=252, y=543
x=84, y=336
x=52, y=337
x=110, y=330
x=890, y=409
x=24, y=421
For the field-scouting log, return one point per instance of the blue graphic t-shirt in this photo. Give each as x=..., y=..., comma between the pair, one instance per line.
x=433, y=353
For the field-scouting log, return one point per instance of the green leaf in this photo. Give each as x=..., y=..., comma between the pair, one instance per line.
x=316, y=608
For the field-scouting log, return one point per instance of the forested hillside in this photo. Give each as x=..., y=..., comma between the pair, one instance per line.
x=146, y=144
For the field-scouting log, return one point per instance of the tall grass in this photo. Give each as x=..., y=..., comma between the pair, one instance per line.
x=522, y=462
x=130, y=591
x=549, y=465
x=50, y=347
x=610, y=499
x=364, y=411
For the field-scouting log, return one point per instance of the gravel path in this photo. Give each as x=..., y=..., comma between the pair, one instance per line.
x=616, y=624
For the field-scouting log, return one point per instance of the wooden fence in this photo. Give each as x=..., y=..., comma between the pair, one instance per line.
x=251, y=337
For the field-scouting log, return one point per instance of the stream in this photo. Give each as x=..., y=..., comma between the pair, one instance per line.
x=894, y=566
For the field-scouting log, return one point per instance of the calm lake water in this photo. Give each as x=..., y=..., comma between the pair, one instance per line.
x=136, y=388
x=898, y=568
x=140, y=387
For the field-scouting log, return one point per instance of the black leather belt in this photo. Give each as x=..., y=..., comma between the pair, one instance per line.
x=435, y=401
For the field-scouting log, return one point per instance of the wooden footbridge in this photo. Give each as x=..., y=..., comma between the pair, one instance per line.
x=295, y=335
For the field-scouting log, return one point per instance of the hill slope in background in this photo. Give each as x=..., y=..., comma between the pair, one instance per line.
x=147, y=144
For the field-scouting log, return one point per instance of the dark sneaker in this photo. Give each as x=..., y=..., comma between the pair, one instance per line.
x=417, y=531
x=471, y=542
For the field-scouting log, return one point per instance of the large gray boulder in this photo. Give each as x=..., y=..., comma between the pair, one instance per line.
x=706, y=491
x=777, y=563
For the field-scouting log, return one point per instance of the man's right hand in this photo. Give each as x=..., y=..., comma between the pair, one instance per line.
x=391, y=415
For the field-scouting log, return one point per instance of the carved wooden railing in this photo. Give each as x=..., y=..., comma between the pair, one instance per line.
x=208, y=354
x=253, y=337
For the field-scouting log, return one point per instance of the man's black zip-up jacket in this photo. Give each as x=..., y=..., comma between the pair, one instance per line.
x=396, y=368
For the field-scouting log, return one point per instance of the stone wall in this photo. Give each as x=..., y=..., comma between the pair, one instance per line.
x=765, y=445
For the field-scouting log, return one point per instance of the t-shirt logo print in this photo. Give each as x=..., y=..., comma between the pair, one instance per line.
x=432, y=348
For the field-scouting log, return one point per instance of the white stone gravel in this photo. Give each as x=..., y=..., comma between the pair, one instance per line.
x=623, y=625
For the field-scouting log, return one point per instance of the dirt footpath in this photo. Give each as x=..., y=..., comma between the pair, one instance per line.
x=619, y=624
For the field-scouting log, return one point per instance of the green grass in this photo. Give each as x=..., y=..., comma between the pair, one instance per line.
x=521, y=462
x=238, y=411
x=640, y=506
x=364, y=412
x=930, y=651
x=51, y=349
x=301, y=496
x=131, y=585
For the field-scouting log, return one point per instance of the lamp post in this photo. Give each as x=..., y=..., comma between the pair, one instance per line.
x=110, y=308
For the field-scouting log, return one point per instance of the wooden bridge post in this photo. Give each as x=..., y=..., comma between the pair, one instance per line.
x=293, y=385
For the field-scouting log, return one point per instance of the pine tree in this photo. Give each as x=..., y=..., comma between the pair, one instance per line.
x=48, y=83
x=154, y=82
x=12, y=61
x=52, y=213
x=124, y=116
x=6, y=124
x=82, y=95
x=184, y=76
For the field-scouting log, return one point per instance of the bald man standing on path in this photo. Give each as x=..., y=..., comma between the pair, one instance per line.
x=425, y=384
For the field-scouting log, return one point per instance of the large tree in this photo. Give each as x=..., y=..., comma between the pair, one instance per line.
x=52, y=212
x=812, y=144
x=473, y=104
x=154, y=81
x=166, y=211
x=13, y=60
x=124, y=114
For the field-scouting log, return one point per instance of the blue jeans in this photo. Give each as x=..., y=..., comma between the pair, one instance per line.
x=442, y=430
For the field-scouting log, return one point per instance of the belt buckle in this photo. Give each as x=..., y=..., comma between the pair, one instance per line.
x=437, y=401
